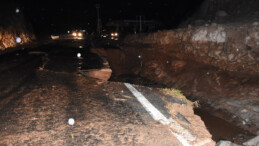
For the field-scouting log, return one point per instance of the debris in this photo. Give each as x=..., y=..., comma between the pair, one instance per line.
x=252, y=142
x=225, y=143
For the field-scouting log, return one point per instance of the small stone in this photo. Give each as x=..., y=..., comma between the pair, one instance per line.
x=224, y=143
x=252, y=142
x=230, y=57
x=244, y=110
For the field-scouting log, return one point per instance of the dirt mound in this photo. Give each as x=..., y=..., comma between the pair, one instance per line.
x=217, y=65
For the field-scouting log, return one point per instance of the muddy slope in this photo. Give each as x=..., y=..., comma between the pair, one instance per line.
x=217, y=65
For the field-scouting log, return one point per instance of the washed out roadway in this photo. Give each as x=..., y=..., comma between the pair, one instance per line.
x=41, y=88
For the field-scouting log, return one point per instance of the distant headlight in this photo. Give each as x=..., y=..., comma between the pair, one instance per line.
x=80, y=34
x=114, y=34
x=74, y=34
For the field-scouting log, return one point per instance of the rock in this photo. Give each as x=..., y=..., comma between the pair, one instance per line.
x=200, y=35
x=230, y=57
x=102, y=74
x=226, y=143
x=217, y=53
x=252, y=142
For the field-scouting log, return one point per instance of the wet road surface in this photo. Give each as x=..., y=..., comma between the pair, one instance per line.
x=41, y=89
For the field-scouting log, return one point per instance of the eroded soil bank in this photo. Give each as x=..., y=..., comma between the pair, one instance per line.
x=216, y=65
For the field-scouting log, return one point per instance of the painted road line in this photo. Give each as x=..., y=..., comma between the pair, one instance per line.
x=184, y=135
x=156, y=115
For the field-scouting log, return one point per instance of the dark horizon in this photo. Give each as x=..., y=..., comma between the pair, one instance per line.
x=59, y=15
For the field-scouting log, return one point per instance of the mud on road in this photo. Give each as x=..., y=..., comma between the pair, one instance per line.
x=36, y=102
x=40, y=116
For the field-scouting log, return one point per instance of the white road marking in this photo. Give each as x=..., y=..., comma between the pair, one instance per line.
x=158, y=116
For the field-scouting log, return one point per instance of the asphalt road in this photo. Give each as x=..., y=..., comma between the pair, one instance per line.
x=41, y=88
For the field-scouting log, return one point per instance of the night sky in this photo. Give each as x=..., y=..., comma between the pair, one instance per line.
x=60, y=15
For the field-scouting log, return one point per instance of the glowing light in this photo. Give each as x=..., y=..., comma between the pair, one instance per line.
x=80, y=34
x=139, y=56
x=68, y=31
x=71, y=121
x=78, y=55
x=74, y=34
x=17, y=10
x=80, y=47
x=18, y=40
x=54, y=37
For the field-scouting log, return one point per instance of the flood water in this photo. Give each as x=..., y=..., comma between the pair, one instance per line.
x=221, y=129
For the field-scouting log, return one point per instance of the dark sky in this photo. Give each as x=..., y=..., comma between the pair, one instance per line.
x=65, y=14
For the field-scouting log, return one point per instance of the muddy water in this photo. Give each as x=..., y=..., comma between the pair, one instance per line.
x=219, y=128
x=222, y=130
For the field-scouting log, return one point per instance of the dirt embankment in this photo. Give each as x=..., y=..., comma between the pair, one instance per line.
x=224, y=11
x=14, y=31
x=217, y=65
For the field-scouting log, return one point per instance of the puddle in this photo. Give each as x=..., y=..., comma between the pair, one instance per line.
x=223, y=130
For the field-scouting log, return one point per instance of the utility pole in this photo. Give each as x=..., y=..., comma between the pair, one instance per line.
x=140, y=22
x=98, y=19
